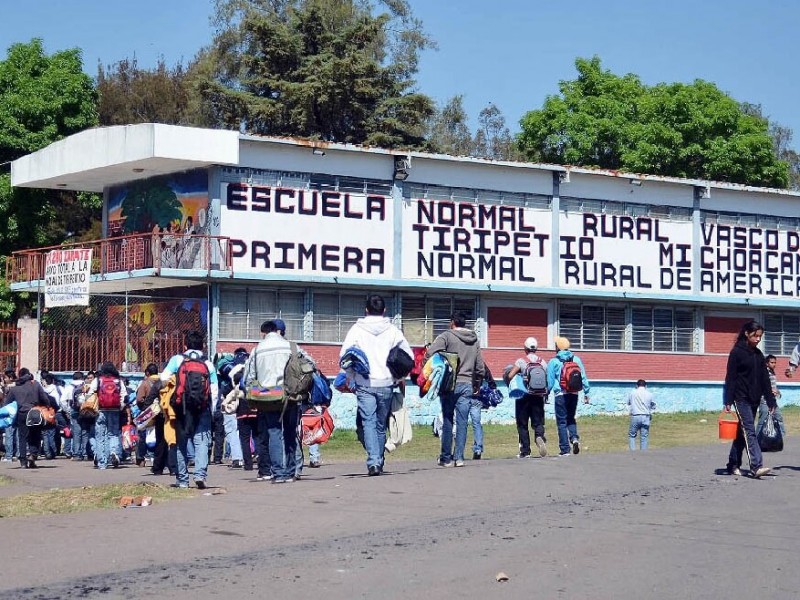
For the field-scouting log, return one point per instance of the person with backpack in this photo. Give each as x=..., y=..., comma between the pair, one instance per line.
x=107, y=430
x=567, y=379
x=462, y=342
x=28, y=394
x=81, y=427
x=267, y=370
x=196, y=388
x=224, y=424
x=375, y=336
x=143, y=393
x=530, y=407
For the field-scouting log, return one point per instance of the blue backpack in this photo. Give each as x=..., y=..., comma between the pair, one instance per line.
x=321, y=392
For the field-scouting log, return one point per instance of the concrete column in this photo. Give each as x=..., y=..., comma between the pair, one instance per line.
x=28, y=344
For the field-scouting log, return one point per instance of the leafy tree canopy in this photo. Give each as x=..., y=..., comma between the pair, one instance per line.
x=683, y=130
x=336, y=70
x=43, y=98
x=450, y=133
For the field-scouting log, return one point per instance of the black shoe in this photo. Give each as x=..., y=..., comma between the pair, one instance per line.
x=236, y=464
x=476, y=456
x=217, y=462
x=374, y=470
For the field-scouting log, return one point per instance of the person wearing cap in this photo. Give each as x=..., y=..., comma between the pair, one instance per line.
x=566, y=401
x=530, y=407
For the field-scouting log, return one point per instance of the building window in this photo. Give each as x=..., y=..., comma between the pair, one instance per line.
x=604, y=326
x=781, y=333
x=242, y=311
x=593, y=326
x=662, y=329
x=334, y=314
x=425, y=317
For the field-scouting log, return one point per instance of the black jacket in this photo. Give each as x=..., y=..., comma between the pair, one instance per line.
x=28, y=393
x=747, y=378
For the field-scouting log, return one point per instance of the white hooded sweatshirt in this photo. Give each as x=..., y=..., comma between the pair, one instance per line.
x=376, y=336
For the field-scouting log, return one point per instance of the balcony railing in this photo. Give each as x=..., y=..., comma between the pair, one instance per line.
x=130, y=253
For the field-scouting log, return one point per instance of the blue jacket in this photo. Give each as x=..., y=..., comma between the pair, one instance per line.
x=554, y=371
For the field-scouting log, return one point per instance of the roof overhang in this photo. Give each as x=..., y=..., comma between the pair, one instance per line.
x=105, y=156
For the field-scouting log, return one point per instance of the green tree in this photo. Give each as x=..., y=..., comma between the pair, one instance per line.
x=129, y=94
x=449, y=132
x=325, y=69
x=493, y=140
x=43, y=98
x=683, y=130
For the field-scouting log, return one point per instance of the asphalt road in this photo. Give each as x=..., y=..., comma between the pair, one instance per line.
x=662, y=524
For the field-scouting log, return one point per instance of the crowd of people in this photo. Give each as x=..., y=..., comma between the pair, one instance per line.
x=243, y=405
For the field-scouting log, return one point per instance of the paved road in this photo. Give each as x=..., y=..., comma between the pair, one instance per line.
x=664, y=524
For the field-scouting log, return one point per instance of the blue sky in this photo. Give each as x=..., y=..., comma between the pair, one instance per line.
x=509, y=52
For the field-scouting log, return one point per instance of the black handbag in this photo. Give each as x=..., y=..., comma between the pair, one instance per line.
x=399, y=363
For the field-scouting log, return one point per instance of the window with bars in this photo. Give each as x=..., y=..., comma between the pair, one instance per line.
x=425, y=317
x=242, y=311
x=593, y=326
x=334, y=314
x=781, y=333
x=603, y=327
x=662, y=329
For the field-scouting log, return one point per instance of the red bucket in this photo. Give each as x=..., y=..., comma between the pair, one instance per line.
x=728, y=427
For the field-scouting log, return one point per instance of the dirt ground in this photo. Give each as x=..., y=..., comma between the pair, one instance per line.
x=662, y=524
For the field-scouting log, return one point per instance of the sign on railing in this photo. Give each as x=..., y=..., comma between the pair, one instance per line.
x=66, y=277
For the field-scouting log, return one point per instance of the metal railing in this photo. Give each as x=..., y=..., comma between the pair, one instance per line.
x=131, y=253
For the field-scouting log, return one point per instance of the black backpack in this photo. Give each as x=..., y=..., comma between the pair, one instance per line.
x=399, y=363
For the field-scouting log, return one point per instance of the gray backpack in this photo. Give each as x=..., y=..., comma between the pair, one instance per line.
x=535, y=378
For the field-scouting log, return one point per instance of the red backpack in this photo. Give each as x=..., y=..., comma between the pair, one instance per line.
x=571, y=377
x=192, y=385
x=108, y=393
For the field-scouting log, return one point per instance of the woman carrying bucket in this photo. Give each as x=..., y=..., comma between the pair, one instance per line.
x=746, y=381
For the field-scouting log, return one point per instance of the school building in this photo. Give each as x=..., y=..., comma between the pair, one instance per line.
x=649, y=277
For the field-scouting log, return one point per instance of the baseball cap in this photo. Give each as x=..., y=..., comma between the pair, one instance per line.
x=562, y=343
x=531, y=343
x=280, y=325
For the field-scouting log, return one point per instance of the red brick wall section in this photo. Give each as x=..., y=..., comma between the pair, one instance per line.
x=721, y=332
x=508, y=327
x=630, y=366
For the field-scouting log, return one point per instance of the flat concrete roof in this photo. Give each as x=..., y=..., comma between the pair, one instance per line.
x=105, y=156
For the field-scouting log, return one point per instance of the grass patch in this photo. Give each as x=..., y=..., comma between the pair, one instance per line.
x=600, y=433
x=4, y=480
x=72, y=500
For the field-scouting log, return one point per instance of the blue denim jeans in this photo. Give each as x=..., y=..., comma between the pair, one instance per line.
x=282, y=432
x=745, y=438
x=565, y=406
x=200, y=440
x=639, y=424
x=374, y=405
x=49, y=442
x=107, y=437
x=455, y=404
x=477, y=429
x=232, y=436
x=10, y=442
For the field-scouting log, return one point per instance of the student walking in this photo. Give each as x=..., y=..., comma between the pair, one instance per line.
x=566, y=375
x=641, y=405
x=746, y=381
x=530, y=407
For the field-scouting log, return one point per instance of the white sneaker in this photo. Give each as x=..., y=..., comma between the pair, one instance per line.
x=541, y=446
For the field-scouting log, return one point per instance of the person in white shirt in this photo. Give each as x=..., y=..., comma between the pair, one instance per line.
x=641, y=405
x=375, y=335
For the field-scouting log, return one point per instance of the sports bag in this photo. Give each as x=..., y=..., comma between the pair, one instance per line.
x=192, y=385
x=316, y=425
x=108, y=393
x=399, y=363
x=770, y=438
x=298, y=376
x=571, y=377
x=535, y=378
x=40, y=416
